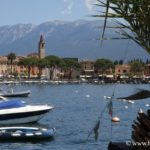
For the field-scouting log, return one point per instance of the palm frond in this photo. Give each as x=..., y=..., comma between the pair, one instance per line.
x=134, y=12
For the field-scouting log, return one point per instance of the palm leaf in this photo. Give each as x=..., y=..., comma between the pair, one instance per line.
x=107, y=9
x=135, y=12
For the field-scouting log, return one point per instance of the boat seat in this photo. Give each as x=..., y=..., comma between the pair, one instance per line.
x=18, y=131
x=2, y=131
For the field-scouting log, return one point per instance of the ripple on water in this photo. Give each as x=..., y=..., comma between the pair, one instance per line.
x=77, y=108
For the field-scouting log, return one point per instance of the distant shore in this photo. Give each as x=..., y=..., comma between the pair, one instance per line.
x=74, y=81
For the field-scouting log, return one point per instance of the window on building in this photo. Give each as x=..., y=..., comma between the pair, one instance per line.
x=124, y=71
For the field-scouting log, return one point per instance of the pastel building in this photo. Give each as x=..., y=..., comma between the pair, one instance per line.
x=122, y=69
x=147, y=70
x=3, y=66
x=87, y=67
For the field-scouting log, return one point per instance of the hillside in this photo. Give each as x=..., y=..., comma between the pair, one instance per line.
x=67, y=39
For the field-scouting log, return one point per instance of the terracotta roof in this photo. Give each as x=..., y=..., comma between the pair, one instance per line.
x=3, y=59
x=32, y=54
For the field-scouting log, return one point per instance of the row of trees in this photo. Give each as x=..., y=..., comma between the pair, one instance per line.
x=52, y=62
x=137, y=65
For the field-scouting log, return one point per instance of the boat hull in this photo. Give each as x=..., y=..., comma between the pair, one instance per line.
x=26, y=139
x=25, y=134
x=22, y=117
x=16, y=94
x=22, y=120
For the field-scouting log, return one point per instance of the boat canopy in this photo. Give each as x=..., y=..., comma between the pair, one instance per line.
x=11, y=104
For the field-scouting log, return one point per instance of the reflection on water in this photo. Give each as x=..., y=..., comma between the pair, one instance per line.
x=77, y=108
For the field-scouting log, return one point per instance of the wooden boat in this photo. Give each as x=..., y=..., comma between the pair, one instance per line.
x=15, y=94
x=13, y=134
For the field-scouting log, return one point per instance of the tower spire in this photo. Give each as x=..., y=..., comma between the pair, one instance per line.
x=41, y=47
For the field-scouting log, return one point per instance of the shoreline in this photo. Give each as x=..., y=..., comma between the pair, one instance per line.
x=34, y=81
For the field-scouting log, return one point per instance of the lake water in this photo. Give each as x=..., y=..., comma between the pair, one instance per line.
x=77, y=108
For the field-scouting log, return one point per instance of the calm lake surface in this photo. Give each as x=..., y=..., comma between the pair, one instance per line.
x=77, y=108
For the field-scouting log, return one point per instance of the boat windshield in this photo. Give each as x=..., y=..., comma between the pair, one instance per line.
x=11, y=104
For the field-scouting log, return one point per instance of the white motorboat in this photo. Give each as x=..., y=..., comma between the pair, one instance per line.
x=17, y=112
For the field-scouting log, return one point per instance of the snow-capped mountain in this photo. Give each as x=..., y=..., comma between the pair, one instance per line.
x=67, y=39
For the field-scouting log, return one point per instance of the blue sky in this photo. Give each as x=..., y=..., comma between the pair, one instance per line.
x=39, y=11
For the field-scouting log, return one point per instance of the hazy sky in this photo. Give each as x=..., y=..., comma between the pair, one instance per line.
x=38, y=11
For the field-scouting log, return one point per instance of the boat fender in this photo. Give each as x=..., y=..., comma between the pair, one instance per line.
x=115, y=119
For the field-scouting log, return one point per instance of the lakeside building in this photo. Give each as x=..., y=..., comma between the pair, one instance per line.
x=40, y=54
x=147, y=70
x=69, y=73
x=88, y=69
x=33, y=55
x=108, y=73
x=18, y=69
x=74, y=59
x=3, y=66
x=122, y=70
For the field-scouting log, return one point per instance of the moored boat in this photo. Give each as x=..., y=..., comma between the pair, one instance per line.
x=15, y=94
x=17, y=112
x=17, y=133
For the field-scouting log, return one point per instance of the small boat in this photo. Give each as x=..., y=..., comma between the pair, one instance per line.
x=17, y=112
x=15, y=94
x=131, y=102
x=10, y=134
x=107, y=97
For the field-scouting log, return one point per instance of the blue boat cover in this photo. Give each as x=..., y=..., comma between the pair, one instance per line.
x=11, y=104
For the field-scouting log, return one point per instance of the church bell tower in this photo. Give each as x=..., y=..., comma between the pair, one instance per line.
x=41, y=47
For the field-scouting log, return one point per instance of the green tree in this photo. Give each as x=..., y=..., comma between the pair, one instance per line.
x=11, y=57
x=41, y=63
x=136, y=19
x=121, y=62
x=137, y=67
x=116, y=62
x=103, y=65
x=28, y=62
x=53, y=62
x=147, y=61
x=70, y=64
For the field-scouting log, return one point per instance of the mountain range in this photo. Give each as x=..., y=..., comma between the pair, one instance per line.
x=68, y=39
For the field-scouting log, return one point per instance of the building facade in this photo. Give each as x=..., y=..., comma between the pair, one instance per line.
x=87, y=67
x=3, y=66
x=122, y=69
x=147, y=70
